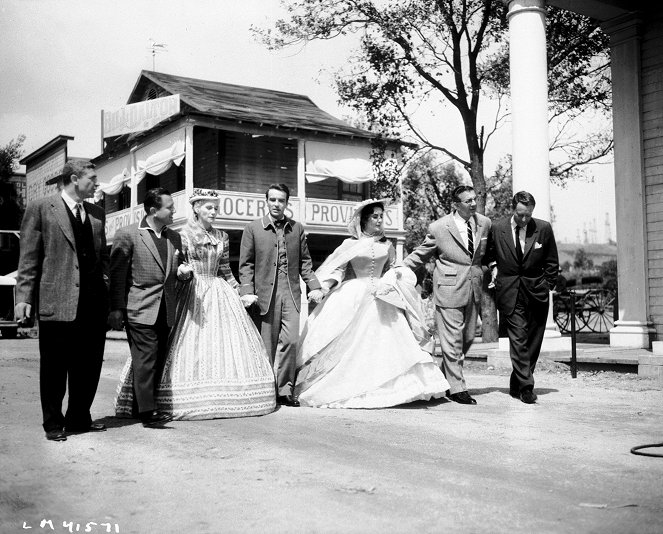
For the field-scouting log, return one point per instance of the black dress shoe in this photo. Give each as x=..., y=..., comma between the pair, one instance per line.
x=528, y=396
x=514, y=393
x=155, y=418
x=462, y=397
x=288, y=400
x=56, y=435
x=93, y=427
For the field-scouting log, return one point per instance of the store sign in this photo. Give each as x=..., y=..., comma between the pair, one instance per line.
x=248, y=207
x=139, y=116
x=339, y=212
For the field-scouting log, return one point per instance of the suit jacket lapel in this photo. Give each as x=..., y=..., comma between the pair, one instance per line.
x=453, y=230
x=149, y=243
x=96, y=230
x=478, y=230
x=62, y=218
x=531, y=236
x=507, y=235
x=171, y=251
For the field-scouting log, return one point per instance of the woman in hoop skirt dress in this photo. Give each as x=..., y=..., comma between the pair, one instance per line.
x=217, y=365
x=366, y=345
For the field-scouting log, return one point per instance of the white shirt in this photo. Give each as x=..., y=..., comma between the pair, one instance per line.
x=71, y=204
x=461, y=224
x=522, y=235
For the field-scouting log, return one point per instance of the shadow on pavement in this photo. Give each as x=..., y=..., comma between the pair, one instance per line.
x=484, y=391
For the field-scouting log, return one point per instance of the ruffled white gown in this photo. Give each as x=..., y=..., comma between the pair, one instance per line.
x=217, y=365
x=358, y=350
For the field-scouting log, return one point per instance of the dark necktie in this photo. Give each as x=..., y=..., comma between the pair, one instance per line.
x=470, y=239
x=519, y=248
x=79, y=217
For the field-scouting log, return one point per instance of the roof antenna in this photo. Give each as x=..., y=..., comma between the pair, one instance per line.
x=156, y=47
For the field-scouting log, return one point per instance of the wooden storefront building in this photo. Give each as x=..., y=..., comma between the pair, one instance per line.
x=183, y=133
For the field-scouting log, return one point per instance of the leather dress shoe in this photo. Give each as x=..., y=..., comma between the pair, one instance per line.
x=155, y=418
x=92, y=427
x=514, y=393
x=288, y=400
x=56, y=435
x=528, y=396
x=462, y=397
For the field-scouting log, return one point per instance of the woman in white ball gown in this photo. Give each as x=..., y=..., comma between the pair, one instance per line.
x=217, y=365
x=366, y=345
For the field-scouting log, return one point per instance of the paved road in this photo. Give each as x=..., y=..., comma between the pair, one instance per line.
x=501, y=466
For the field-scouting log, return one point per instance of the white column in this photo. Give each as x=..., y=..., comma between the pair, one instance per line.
x=633, y=328
x=528, y=68
x=301, y=193
x=301, y=180
x=188, y=160
x=529, y=101
x=133, y=202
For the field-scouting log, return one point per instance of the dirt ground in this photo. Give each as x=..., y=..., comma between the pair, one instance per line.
x=562, y=465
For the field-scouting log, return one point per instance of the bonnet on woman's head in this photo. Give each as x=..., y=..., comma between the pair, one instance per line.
x=204, y=194
x=354, y=224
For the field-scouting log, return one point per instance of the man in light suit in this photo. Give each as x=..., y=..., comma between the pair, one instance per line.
x=523, y=256
x=273, y=255
x=457, y=241
x=62, y=279
x=145, y=266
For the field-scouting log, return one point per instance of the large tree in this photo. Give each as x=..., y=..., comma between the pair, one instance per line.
x=429, y=54
x=415, y=55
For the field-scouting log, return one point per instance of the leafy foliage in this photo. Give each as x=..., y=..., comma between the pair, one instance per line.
x=581, y=261
x=420, y=55
x=11, y=205
x=427, y=188
x=9, y=156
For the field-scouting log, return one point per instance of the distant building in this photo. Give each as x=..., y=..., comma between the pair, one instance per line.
x=43, y=167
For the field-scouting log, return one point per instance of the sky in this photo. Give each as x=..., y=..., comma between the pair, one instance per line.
x=63, y=61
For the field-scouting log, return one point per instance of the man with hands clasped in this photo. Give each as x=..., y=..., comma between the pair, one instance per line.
x=273, y=255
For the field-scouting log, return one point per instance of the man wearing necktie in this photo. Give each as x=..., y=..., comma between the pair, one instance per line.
x=457, y=241
x=63, y=280
x=523, y=256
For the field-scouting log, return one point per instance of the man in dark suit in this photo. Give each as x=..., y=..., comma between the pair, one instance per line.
x=62, y=279
x=273, y=255
x=457, y=241
x=145, y=265
x=523, y=256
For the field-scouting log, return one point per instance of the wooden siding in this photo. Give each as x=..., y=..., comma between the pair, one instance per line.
x=652, y=124
x=252, y=163
x=208, y=157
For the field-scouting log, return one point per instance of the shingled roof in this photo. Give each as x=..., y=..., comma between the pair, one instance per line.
x=247, y=104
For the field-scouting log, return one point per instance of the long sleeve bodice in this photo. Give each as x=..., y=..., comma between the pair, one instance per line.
x=208, y=254
x=371, y=261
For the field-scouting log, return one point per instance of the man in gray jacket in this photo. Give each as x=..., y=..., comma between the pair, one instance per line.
x=273, y=255
x=63, y=280
x=458, y=242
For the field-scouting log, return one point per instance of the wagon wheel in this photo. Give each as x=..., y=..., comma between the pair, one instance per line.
x=562, y=312
x=598, y=309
